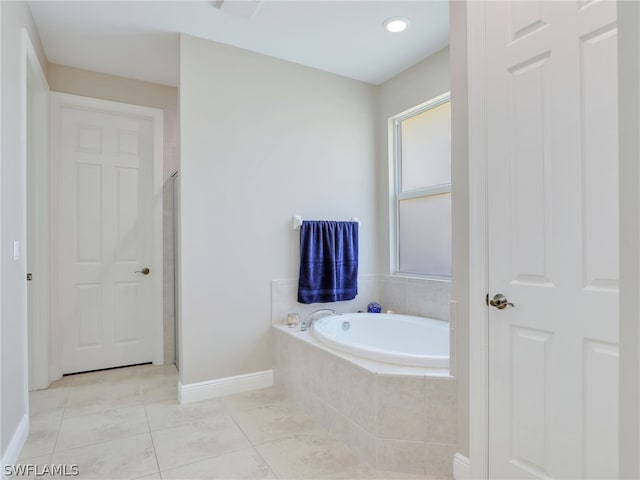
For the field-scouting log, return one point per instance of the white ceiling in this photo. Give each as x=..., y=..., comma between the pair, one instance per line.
x=139, y=39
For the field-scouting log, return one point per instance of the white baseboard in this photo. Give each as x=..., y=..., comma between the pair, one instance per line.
x=14, y=449
x=194, y=392
x=461, y=467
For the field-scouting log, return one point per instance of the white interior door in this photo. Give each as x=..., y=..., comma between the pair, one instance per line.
x=553, y=238
x=106, y=238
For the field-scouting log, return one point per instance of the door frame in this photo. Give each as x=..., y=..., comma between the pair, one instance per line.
x=58, y=102
x=629, y=147
x=35, y=131
x=478, y=248
x=628, y=98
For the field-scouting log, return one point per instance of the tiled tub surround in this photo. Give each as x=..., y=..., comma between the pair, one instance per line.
x=284, y=299
x=411, y=296
x=396, y=418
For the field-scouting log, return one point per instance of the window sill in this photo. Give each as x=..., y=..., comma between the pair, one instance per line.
x=417, y=276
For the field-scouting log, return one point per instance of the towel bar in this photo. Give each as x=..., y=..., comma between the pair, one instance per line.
x=296, y=221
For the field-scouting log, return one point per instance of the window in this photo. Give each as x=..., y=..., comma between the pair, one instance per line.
x=422, y=197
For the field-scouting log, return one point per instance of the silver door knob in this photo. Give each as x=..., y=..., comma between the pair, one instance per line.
x=144, y=271
x=500, y=302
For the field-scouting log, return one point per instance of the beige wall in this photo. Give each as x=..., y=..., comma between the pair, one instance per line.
x=261, y=140
x=629, y=138
x=15, y=17
x=460, y=203
x=118, y=89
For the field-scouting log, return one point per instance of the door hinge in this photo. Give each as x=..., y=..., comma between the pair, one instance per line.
x=29, y=277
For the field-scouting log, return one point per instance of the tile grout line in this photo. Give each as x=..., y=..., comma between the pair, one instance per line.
x=101, y=442
x=226, y=413
x=253, y=446
x=64, y=411
x=182, y=465
x=105, y=440
x=153, y=445
x=269, y=466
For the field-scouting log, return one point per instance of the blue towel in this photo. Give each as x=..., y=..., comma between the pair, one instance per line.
x=328, y=262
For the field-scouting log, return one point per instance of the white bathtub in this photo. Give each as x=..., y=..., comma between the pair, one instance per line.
x=391, y=338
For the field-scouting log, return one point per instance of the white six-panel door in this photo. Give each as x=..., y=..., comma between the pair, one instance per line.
x=553, y=241
x=106, y=238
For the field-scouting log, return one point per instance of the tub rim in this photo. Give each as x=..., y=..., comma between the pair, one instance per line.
x=376, y=354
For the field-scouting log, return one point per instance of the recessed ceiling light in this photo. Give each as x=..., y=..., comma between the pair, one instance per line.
x=396, y=24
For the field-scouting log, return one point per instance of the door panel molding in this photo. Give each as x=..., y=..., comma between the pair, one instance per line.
x=58, y=102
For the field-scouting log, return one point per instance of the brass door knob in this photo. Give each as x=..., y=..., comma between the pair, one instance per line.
x=144, y=271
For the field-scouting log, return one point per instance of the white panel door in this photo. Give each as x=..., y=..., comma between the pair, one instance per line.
x=105, y=239
x=553, y=238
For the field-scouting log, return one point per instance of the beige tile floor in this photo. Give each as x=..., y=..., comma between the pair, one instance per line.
x=127, y=424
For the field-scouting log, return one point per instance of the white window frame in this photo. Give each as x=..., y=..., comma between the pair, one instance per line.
x=396, y=195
